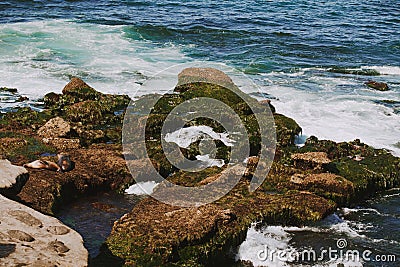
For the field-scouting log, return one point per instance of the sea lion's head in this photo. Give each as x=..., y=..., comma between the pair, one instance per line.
x=65, y=162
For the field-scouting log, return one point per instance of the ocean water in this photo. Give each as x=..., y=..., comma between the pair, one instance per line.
x=288, y=48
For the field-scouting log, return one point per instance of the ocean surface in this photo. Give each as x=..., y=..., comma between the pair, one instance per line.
x=288, y=48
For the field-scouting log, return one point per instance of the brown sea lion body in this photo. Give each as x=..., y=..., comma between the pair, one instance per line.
x=64, y=164
x=43, y=164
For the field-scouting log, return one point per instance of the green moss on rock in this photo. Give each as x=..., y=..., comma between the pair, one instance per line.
x=80, y=91
x=24, y=117
x=85, y=112
x=18, y=147
x=286, y=130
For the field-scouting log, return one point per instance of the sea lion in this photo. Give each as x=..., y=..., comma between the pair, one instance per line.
x=65, y=162
x=43, y=164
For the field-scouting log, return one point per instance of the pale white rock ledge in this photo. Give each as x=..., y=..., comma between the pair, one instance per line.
x=12, y=178
x=29, y=238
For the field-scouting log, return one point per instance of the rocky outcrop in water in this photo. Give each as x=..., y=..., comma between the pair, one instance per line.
x=304, y=184
x=29, y=238
x=380, y=86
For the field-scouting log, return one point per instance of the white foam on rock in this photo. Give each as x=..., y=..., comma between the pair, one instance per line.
x=209, y=162
x=142, y=188
x=274, y=237
x=184, y=137
x=385, y=70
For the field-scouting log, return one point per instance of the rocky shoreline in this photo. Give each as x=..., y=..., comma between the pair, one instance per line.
x=304, y=184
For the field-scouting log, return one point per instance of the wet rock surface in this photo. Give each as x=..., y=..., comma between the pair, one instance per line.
x=380, y=86
x=24, y=240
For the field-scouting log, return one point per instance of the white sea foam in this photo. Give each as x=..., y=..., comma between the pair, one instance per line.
x=142, y=188
x=274, y=236
x=38, y=57
x=184, y=137
x=340, y=117
x=368, y=210
x=385, y=70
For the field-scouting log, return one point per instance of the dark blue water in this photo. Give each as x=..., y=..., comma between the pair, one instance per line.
x=257, y=36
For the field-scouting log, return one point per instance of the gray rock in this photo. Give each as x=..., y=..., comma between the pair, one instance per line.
x=12, y=178
x=54, y=244
x=56, y=127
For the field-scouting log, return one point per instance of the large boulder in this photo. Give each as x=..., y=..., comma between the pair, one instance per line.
x=28, y=237
x=56, y=127
x=80, y=90
x=12, y=178
x=207, y=75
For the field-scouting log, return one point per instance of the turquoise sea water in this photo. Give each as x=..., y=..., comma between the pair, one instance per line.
x=287, y=47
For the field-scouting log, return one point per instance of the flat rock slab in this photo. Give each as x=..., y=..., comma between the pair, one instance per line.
x=12, y=178
x=310, y=160
x=29, y=238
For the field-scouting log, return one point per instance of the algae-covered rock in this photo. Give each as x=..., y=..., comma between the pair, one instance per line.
x=268, y=104
x=364, y=72
x=310, y=160
x=304, y=184
x=9, y=90
x=286, y=130
x=369, y=169
x=328, y=185
x=62, y=144
x=80, y=90
x=206, y=75
x=19, y=147
x=85, y=112
x=99, y=167
x=24, y=117
x=199, y=236
x=51, y=99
